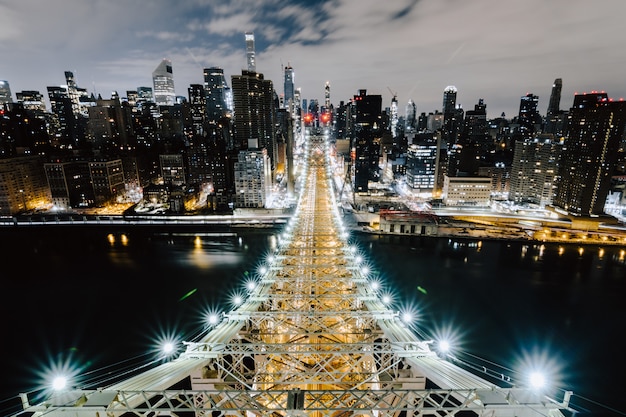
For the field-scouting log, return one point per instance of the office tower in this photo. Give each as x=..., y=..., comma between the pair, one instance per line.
x=254, y=112
x=421, y=162
x=63, y=126
x=473, y=142
x=555, y=97
x=534, y=170
x=289, y=88
x=197, y=109
x=449, y=100
x=410, y=117
x=555, y=118
x=394, y=116
x=216, y=88
x=5, y=92
x=172, y=169
x=163, y=82
x=595, y=129
x=452, y=116
x=132, y=97
x=253, y=178
x=32, y=101
x=297, y=104
x=327, y=95
x=109, y=125
x=145, y=94
x=250, y=52
x=528, y=118
x=366, y=139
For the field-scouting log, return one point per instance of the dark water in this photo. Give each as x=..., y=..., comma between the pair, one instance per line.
x=72, y=297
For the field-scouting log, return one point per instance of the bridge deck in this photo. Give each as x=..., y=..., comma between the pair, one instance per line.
x=313, y=338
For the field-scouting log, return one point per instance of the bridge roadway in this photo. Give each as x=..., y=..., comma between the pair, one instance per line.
x=313, y=338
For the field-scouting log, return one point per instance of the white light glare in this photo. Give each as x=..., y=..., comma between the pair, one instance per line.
x=59, y=383
x=168, y=348
x=213, y=319
x=407, y=317
x=537, y=380
x=444, y=346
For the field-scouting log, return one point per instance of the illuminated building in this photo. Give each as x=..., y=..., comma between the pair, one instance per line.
x=253, y=178
x=216, y=89
x=32, y=100
x=473, y=142
x=555, y=117
x=107, y=178
x=23, y=185
x=289, y=87
x=254, y=111
x=421, y=162
x=70, y=184
x=595, y=129
x=534, y=170
x=163, y=82
x=529, y=118
x=172, y=169
x=145, y=94
x=197, y=109
x=5, y=92
x=366, y=139
x=467, y=191
x=250, y=51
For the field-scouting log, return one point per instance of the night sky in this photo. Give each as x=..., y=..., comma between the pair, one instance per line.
x=495, y=50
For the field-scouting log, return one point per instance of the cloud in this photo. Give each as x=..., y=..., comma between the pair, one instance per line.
x=488, y=49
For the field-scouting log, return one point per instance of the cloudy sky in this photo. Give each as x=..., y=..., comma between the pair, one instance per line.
x=497, y=50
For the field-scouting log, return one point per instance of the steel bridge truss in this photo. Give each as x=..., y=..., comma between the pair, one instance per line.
x=313, y=338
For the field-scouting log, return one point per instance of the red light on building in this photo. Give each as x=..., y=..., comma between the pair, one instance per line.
x=308, y=118
x=325, y=117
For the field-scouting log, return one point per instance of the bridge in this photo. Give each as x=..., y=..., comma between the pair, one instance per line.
x=314, y=337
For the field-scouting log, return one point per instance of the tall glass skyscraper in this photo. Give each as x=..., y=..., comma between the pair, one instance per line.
x=250, y=51
x=163, y=81
x=215, y=87
x=289, y=85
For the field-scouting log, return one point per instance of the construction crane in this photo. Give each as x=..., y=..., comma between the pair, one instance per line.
x=394, y=95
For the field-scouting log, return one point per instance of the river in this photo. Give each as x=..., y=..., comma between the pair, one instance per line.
x=94, y=297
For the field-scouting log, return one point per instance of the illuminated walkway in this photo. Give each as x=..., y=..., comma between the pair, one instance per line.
x=314, y=337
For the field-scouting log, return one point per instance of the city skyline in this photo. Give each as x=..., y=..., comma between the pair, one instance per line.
x=416, y=50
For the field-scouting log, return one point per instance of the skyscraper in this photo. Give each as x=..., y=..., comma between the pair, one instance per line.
x=555, y=97
x=534, y=170
x=555, y=117
x=5, y=92
x=590, y=153
x=528, y=115
x=250, y=58
x=215, y=87
x=366, y=140
x=163, y=81
x=289, y=86
x=254, y=112
x=452, y=116
x=327, y=95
